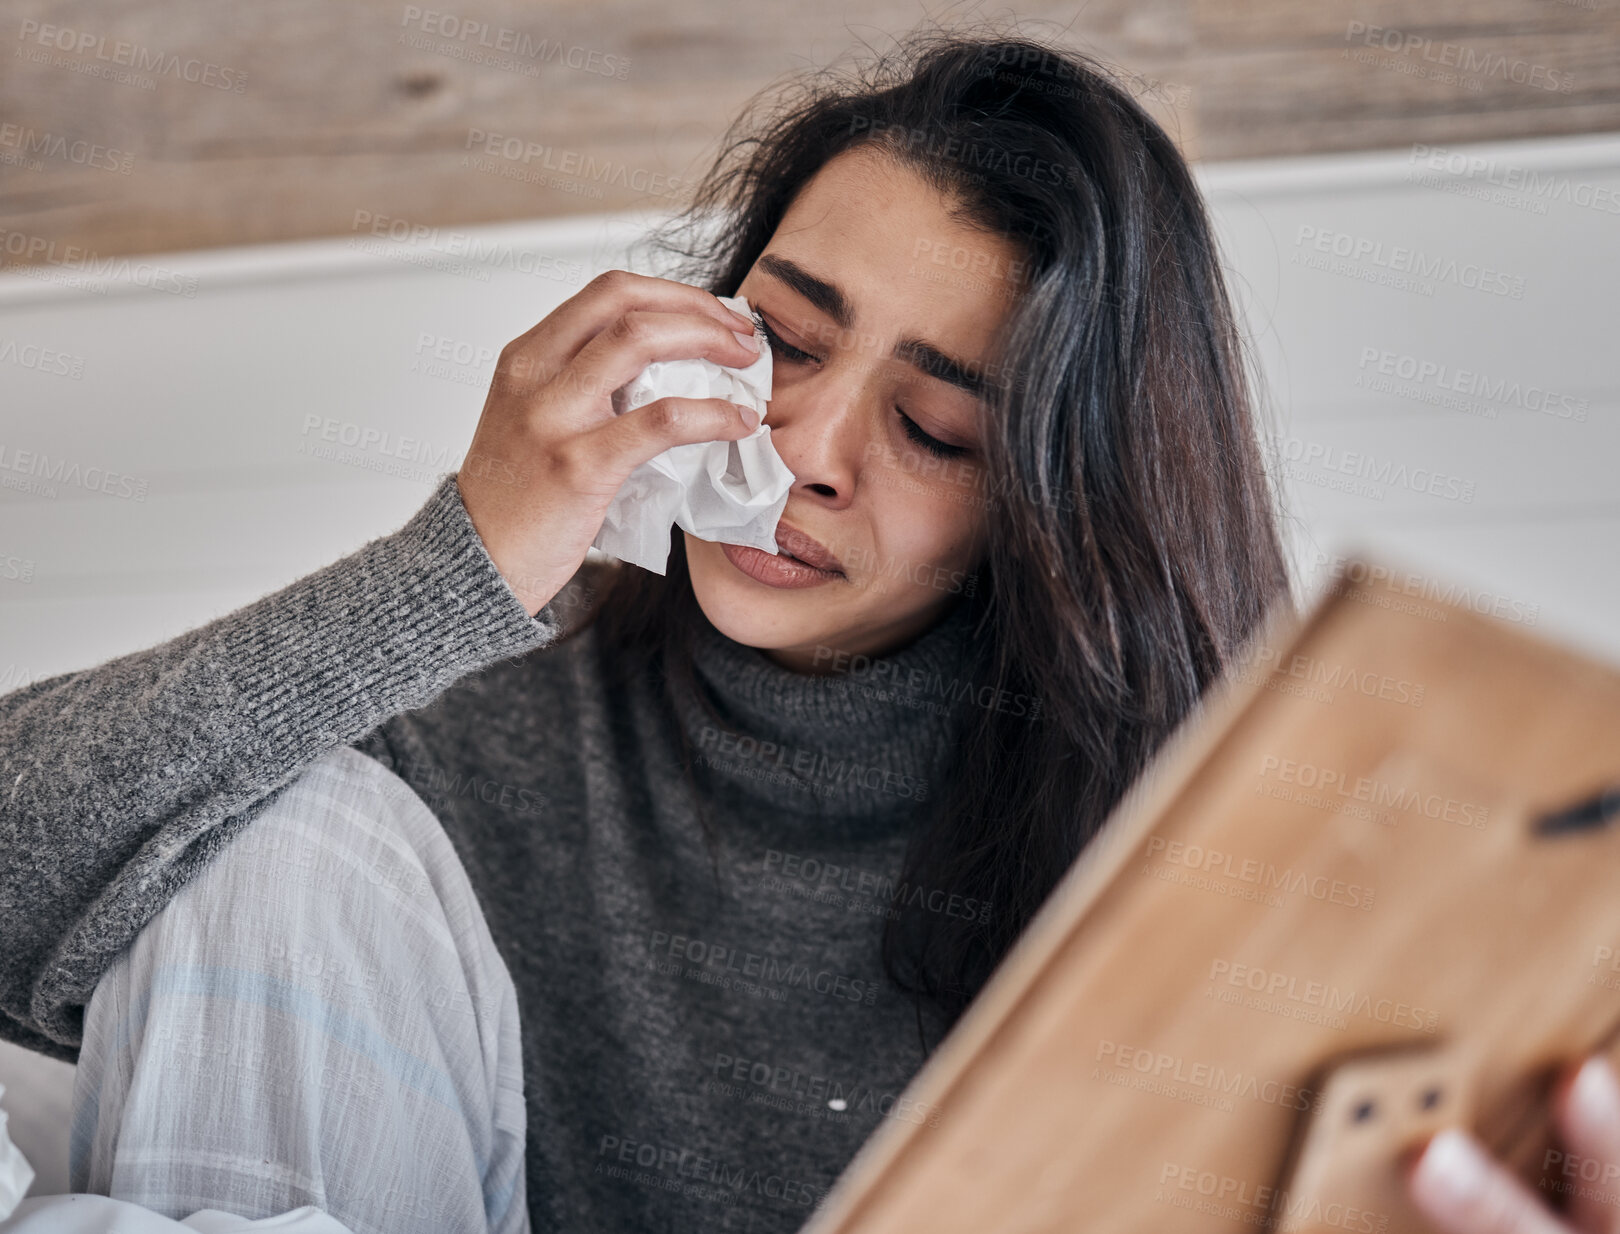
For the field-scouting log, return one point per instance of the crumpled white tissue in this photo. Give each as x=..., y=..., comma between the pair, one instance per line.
x=728, y=491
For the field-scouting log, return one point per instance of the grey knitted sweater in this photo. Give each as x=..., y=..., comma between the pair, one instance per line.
x=705, y=1045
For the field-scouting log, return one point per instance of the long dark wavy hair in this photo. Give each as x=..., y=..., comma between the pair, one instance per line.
x=1133, y=541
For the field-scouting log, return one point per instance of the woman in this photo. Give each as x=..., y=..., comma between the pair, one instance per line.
x=731, y=847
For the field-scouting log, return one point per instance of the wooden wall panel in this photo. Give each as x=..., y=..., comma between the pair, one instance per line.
x=355, y=106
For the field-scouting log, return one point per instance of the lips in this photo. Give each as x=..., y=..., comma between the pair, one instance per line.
x=794, y=543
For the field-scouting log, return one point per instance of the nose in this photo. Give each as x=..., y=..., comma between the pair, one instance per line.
x=821, y=428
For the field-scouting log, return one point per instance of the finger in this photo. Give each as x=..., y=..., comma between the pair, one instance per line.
x=1586, y=1111
x=641, y=337
x=646, y=432
x=1463, y=1190
x=609, y=296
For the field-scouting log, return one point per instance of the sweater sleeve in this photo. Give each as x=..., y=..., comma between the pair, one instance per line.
x=119, y=782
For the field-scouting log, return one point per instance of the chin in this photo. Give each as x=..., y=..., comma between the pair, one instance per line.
x=755, y=614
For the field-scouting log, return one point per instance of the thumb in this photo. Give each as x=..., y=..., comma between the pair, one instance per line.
x=1587, y=1114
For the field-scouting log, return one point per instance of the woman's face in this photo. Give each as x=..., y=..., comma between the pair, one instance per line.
x=883, y=309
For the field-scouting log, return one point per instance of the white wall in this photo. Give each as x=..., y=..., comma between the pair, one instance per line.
x=1497, y=458
x=199, y=403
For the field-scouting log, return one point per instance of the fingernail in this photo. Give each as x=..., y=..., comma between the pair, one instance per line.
x=747, y=340
x=1452, y=1166
x=1596, y=1094
x=750, y=417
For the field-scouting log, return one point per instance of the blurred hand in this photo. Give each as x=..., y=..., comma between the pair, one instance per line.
x=1463, y=1190
x=549, y=453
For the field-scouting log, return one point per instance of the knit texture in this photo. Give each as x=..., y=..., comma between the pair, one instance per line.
x=705, y=1042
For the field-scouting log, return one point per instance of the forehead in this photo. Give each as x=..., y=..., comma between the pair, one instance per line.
x=875, y=227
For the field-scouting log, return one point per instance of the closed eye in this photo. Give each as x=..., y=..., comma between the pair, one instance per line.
x=932, y=444
x=789, y=352
x=784, y=349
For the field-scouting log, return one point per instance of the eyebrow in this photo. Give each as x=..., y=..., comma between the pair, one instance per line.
x=830, y=299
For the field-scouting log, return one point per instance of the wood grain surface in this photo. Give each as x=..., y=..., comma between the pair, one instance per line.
x=151, y=126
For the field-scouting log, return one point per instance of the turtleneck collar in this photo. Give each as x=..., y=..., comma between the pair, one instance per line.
x=869, y=742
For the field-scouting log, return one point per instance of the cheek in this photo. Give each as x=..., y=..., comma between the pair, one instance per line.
x=925, y=524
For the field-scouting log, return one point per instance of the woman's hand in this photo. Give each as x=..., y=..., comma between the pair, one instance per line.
x=549, y=453
x=1462, y=1190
